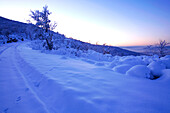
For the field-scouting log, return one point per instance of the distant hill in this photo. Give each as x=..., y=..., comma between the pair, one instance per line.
x=12, y=26
x=29, y=31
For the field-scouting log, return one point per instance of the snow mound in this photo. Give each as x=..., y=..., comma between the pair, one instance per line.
x=156, y=68
x=131, y=60
x=166, y=61
x=139, y=71
x=147, y=59
x=122, y=68
x=167, y=56
x=115, y=61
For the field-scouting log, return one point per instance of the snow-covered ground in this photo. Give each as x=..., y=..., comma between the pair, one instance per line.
x=36, y=82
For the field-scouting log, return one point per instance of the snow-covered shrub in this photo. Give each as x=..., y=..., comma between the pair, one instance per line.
x=122, y=68
x=156, y=68
x=147, y=59
x=38, y=45
x=155, y=57
x=131, y=60
x=165, y=75
x=3, y=39
x=90, y=54
x=139, y=71
x=166, y=61
x=115, y=61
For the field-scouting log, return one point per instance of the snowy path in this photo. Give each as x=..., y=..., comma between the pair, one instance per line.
x=31, y=81
x=15, y=93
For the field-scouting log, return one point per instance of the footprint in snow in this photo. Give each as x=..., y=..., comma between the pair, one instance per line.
x=26, y=89
x=37, y=84
x=18, y=98
x=5, y=110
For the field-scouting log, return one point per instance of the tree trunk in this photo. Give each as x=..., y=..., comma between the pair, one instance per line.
x=50, y=45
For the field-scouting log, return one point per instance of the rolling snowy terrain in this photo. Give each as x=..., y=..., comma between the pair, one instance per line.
x=75, y=76
x=38, y=81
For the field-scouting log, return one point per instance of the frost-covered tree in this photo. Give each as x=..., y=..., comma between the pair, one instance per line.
x=42, y=20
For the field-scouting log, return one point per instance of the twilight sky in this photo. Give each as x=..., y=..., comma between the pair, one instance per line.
x=114, y=22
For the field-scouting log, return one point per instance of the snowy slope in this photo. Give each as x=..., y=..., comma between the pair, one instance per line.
x=14, y=29
x=35, y=82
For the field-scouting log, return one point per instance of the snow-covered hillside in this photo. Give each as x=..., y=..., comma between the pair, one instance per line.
x=10, y=29
x=37, y=81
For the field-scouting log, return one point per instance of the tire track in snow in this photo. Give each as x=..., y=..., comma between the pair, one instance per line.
x=25, y=80
x=5, y=49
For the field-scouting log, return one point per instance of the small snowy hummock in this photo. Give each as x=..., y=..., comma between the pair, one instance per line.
x=156, y=68
x=140, y=71
x=166, y=61
x=122, y=68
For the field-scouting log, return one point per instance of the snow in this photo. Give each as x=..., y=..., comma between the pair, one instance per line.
x=131, y=60
x=166, y=61
x=37, y=82
x=156, y=68
x=122, y=68
x=139, y=71
x=165, y=75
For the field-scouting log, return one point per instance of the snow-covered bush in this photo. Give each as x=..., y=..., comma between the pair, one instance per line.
x=17, y=36
x=37, y=45
x=131, y=60
x=156, y=68
x=122, y=68
x=166, y=61
x=2, y=39
x=165, y=75
x=115, y=61
x=63, y=49
x=96, y=56
x=147, y=59
x=139, y=71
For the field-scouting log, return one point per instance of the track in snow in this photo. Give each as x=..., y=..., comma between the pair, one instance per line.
x=16, y=95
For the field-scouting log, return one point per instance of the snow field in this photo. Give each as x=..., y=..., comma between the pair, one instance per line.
x=70, y=84
x=51, y=83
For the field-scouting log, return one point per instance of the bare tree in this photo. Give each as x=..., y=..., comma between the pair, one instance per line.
x=161, y=46
x=149, y=50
